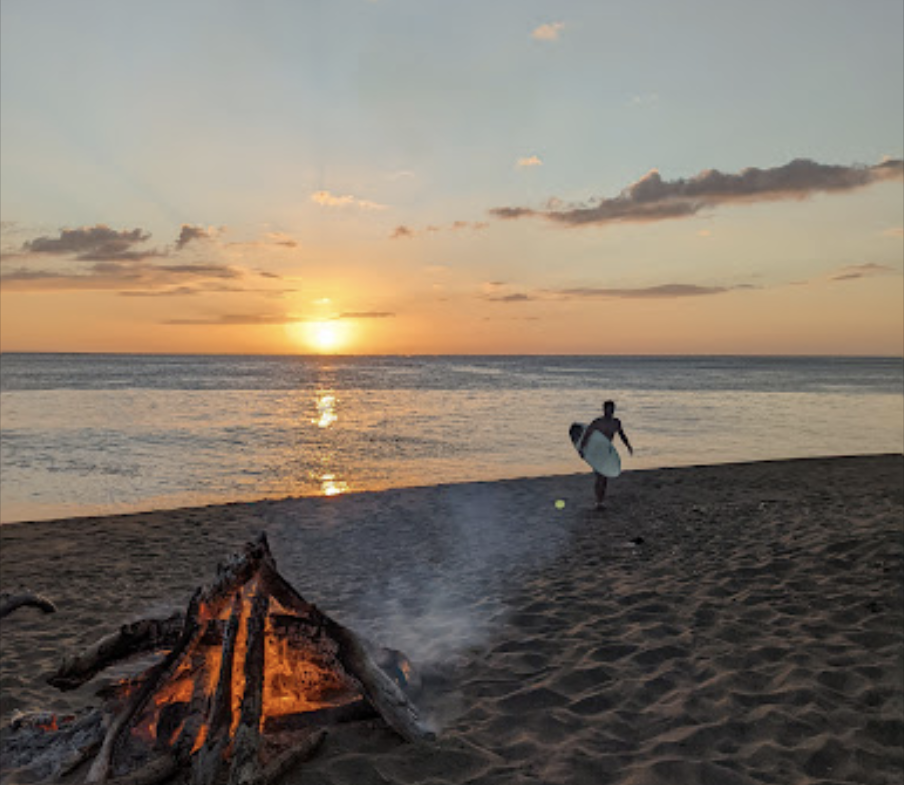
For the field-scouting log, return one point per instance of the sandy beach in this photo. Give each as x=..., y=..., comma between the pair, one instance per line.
x=715, y=625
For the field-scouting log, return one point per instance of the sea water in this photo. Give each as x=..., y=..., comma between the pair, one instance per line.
x=85, y=434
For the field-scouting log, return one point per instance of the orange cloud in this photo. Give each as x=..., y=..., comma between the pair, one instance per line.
x=548, y=32
x=326, y=199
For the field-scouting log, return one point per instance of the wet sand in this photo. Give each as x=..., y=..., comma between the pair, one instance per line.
x=727, y=624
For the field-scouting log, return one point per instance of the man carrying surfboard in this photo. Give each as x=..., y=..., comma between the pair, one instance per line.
x=608, y=425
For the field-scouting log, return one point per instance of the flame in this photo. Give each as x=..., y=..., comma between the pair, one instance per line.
x=238, y=666
x=300, y=674
x=50, y=724
x=299, y=679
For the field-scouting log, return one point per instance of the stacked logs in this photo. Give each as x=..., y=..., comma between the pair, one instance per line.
x=212, y=742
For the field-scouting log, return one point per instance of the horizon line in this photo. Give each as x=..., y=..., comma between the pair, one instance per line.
x=350, y=355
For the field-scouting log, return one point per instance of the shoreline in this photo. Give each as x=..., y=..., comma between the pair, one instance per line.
x=739, y=623
x=187, y=508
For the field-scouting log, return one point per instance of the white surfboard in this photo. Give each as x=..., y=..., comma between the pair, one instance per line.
x=599, y=452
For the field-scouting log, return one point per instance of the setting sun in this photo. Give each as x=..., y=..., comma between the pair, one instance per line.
x=325, y=336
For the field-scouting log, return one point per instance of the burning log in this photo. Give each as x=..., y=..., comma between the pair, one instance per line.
x=10, y=602
x=249, y=677
x=247, y=738
x=100, y=769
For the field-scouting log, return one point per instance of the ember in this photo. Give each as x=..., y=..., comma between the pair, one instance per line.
x=247, y=677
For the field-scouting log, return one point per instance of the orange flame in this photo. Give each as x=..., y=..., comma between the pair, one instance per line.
x=300, y=674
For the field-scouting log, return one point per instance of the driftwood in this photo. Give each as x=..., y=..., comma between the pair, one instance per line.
x=128, y=641
x=10, y=602
x=212, y=708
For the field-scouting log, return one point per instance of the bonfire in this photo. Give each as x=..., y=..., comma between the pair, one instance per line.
x=245, y=686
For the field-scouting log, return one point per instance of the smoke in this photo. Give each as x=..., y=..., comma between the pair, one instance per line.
x=447, y=598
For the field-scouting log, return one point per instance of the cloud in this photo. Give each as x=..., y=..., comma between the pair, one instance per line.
x=548, y=32
x=280, y=238
x=407, y=232
x=511, y=298
x=93, y=243
x=129, y=276
x=659, y=292
x=237, y=319
x=653, y=199
x=532, y=160
x=869, y=270
x=402, y=231
x=326, y=199
x=663, y=291
x=667, y=291
x=366, y=315
x=179, y=291
x=645, y=100
x=190, y=233
x=274, y=318
x=269, y=239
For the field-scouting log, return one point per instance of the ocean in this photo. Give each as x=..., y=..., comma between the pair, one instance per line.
x=86, y=434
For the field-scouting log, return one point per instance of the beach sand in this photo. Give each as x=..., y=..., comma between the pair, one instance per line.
x=714, y=625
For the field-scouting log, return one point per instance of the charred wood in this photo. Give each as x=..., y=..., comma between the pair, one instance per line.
x=209, y=760
x=333, y=715
x=100, y=768
x=130, y=640
x=303, y=750
x=245, y=766
x=209, y=702
x=158, y=770
x=43, y=747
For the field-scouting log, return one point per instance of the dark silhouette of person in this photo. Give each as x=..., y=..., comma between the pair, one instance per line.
x=608, y=425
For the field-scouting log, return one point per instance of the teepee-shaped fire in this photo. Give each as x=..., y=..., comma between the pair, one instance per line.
x=252, y=673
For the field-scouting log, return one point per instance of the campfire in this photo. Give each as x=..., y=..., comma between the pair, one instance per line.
x=245, y=685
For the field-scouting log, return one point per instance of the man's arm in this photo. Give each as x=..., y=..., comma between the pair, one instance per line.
x=587, y=431
x=624, y=438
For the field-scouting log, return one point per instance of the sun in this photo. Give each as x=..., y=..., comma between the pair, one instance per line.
x=325, y=337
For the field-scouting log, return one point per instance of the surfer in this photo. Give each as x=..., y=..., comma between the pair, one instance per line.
x=608, y=425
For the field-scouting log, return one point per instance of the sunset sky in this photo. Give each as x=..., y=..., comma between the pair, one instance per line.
x=483, y=176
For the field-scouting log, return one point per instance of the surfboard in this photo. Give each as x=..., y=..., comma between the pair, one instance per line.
x=600, y=453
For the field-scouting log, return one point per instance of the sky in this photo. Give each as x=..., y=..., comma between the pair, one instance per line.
x=469, y=177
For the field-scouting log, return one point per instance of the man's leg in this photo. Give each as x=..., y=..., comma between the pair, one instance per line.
x=600, y=489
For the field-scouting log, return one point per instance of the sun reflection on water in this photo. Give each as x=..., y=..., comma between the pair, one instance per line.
x=330, y=486
x=326, y=410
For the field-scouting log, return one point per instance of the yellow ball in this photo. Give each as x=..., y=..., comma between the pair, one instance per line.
x=560, y=504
